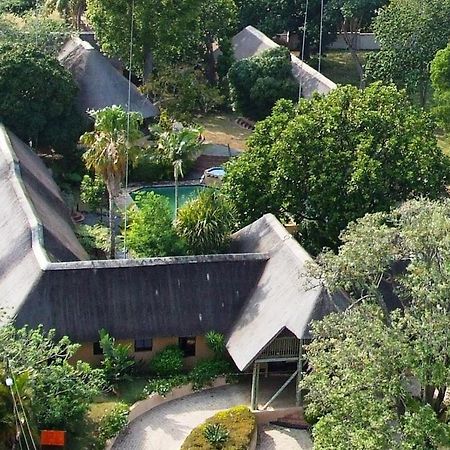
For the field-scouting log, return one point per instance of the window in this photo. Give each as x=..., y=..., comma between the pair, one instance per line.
x=97, y=349
x=187, y=344
x=143, y=345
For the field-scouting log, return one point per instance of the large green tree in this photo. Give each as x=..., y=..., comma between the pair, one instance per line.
x=336, y=158
x=161, y=31
x=409, y=32
x=60, y=392
x=257, y=83
x=38, y=98
x=110, y=149
x=440, y=78
x=384, y=385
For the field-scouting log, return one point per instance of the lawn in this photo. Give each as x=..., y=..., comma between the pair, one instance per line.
x=444, y=143
x=339, y=66
x=221, y=128
x=129, y=392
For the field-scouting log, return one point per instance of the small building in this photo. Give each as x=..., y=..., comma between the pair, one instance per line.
x=251, y=42
x=259, y=295
x=100, y=84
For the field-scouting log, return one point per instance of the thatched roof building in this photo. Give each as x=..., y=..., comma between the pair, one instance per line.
x=251, y=42
x=100, y=84
x=251, y=294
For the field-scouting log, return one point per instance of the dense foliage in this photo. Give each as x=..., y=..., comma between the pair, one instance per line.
x=157, y=37
x=238, y=421
x=440, y=78
x=409, y=32
x=206, y=371
x=216, y=343
x=183, y=92
x=60, y=392
x=117, y=364
x=17, y=6
x=336, y=158
x=383, y=386
x=112, y=423
x=38, y=95
x=257, y=83
x=93, y=192
x=150, y=230
x=167, y=362
x=206, y=222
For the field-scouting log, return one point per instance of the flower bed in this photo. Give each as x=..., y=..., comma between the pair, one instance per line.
x=238, y=426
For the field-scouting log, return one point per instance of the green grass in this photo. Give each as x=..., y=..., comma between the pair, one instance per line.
x=128, y=392
x=339, y=66
x=444, y=143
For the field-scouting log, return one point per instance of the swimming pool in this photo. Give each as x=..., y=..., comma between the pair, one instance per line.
x=185, y=193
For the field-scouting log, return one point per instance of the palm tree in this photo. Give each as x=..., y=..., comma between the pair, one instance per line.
x=109, y=148
x=178, y=146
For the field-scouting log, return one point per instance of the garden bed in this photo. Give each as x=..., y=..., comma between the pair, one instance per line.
x=234, y=428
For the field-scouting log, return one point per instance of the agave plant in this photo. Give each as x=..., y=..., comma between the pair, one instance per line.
x=216, y=434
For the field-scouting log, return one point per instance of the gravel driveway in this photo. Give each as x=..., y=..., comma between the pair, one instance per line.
x=166, y=427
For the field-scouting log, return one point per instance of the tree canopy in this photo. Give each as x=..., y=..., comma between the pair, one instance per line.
x=205, y=223
x=162, y=29
x=38, y=98
x=257, y=83
x=440, y=78
x=383, y=386
x=336, y=158
x=409, y=32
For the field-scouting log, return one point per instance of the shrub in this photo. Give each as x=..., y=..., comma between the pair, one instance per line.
x=216, y=343
x=257, y=83
x=167, y=362
x=117, y=363
x=183, y=92
x=238, y=421
x=205, y=223
x=150, y=231
x=112, y=423
x=216, y=434
x=163, y=386
x=206, y=371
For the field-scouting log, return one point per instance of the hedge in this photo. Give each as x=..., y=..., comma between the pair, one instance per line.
x=238, y=421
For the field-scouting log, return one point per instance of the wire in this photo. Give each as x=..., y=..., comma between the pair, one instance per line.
x=320, y=36
x=300, y=87
x=17, y=415
x=128, y=126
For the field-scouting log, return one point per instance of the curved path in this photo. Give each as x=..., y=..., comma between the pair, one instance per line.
x=166, y=427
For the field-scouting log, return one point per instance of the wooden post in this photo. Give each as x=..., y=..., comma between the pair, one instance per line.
x=253, y=393
x=258, y=369
x=298, y=390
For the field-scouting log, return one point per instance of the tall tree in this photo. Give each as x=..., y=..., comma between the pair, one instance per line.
x=38, y=98
x=337, y=158
x=161, y=29
x=177, y=146
x=71, y=10
x=384, y=385
x=409, y=32
x=109, y=149
x=350, y=16
x=440, y=78
x=218, y=21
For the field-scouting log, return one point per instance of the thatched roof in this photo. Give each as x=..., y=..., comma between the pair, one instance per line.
x=251, y=42
x=100, y=84
x=45, y=278
x=285, y=297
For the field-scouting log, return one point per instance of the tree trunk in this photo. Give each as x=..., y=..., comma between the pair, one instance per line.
x=175, y=175
x=210, y=61
x=148, y=64
x=350, y=31
x=112, y=228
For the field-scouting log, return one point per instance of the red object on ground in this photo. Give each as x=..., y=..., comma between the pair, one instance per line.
x=53, y=437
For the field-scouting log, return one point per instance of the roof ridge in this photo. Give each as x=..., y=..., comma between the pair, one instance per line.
x=36, y=227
